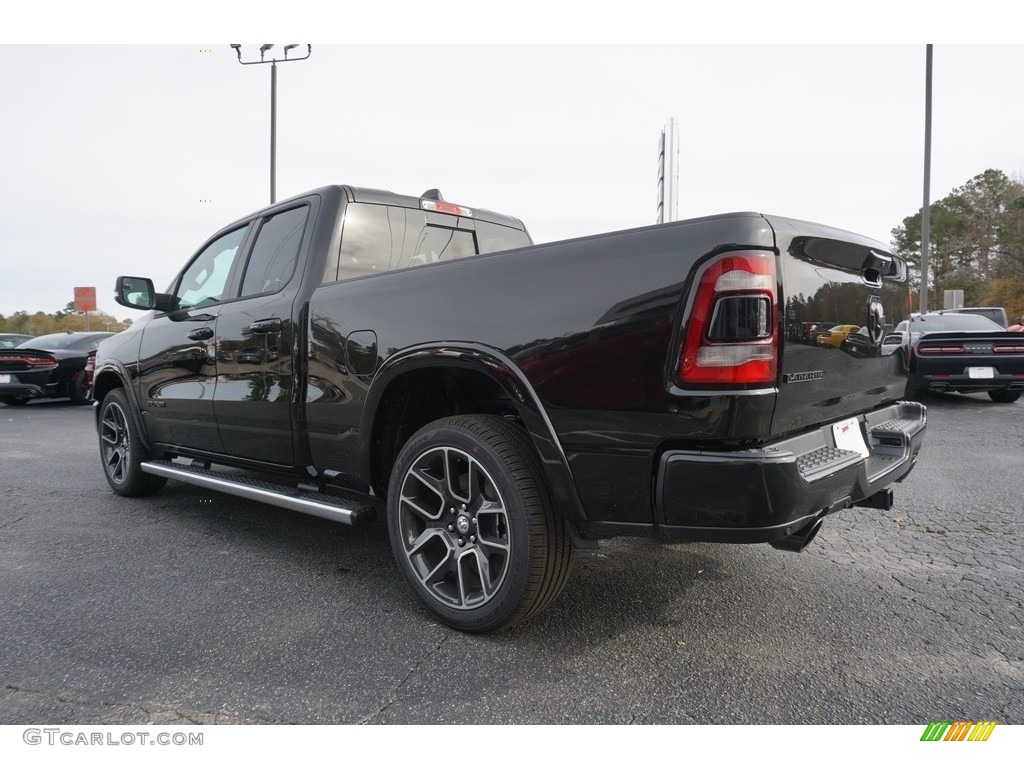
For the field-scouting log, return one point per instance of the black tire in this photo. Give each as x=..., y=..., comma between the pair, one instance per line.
x=472, y=526
x=121, y=450
x=1004, y=395
x=14, y=401
x=77, y=390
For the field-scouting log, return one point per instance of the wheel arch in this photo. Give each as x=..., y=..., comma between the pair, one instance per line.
x=113, y=375
x=426, y=383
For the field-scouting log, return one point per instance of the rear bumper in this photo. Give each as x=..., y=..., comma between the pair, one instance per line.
x=29, y=389
x=964, y=383
x=774, y=491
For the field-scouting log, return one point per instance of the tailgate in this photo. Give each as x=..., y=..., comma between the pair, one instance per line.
x=858, y=289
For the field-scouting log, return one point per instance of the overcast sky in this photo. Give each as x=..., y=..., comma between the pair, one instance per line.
x=122, y=159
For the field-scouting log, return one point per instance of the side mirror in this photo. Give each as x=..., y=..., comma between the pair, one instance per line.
x=138, y=293
x=135, y=293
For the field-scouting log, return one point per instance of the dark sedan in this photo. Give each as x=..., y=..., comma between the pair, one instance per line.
x=951, y=352
x=47, y=366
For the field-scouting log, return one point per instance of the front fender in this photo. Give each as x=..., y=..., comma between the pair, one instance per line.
x=112, y=374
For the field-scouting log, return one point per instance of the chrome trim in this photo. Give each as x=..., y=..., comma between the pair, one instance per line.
x=292, y=501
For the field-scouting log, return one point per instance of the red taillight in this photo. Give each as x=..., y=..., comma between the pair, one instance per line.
x=731, y=336
x=941, y=349
x=1008, y=349
x=32, y=361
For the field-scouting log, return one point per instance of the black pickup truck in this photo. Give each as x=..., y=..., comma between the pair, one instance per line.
x=353, y=350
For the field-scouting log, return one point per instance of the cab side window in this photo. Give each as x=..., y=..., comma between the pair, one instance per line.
x=367, y=241
x=275, y=252
x=206, y=278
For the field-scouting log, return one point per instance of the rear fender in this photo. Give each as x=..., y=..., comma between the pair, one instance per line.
x=502, y=371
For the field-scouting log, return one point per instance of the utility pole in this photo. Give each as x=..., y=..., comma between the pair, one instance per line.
x=273, y=99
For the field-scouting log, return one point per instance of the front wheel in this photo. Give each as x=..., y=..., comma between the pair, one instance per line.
x=471, y=524
x=121, y=449
x=1004, y=395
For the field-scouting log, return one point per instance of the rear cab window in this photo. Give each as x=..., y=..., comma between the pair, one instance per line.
x=380, y=238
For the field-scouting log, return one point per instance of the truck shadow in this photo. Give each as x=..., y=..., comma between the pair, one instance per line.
x=625, y=584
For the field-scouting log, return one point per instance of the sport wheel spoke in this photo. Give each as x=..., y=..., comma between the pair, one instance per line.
x=412, y=503
x=457, y=473
x=435, y=484
x=477, y=570
x=435, y=552
x=115, y=466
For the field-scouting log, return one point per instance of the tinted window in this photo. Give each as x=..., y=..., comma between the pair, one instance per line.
x=952, y=322
x=378, y=238
x=275, y=252
x=431, y=237
x=206, y=278
x=495, y=237
x=439, y=244
x=367, y=243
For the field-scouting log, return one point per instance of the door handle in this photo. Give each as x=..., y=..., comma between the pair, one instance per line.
x=273, y=325
x=201, y=334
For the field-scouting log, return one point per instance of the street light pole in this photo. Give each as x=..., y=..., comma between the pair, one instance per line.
x=926, y=208
x=273, y=100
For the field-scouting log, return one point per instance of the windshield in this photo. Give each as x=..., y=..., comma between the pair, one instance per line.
x=952, y=322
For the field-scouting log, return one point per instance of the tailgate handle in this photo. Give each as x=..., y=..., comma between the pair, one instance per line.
x=272, y=325
x=201, y=334
x=875, y=266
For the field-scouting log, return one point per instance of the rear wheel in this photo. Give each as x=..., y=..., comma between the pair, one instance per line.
x=471, y=524
x=121, y=449
x=1004, y=395
x=78, y=391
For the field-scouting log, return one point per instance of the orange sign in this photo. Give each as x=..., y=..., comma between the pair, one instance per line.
x=85, y=299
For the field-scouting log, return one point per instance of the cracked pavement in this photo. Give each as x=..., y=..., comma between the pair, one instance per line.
x=192, y=607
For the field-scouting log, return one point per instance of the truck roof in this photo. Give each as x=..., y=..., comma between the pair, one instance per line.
x=387, y=197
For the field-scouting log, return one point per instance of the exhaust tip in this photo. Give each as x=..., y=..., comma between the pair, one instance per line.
x=797, y=542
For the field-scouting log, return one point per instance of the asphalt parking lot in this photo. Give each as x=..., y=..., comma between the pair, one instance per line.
x=195, y=607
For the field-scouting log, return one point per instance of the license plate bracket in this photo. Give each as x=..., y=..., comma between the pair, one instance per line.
x=848, y=436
